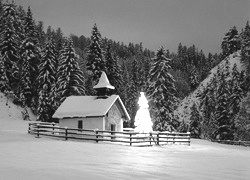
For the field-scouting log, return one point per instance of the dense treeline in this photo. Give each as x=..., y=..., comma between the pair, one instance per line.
x=39, y=68
x=224, y=102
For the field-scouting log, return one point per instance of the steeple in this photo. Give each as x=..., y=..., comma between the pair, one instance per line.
x=103, y=87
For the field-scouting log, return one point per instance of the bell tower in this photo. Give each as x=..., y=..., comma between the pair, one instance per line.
x=103, y=87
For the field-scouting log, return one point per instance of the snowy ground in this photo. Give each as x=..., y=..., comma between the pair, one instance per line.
x=24, y=157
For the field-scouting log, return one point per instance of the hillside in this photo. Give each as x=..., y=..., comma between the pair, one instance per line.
x=183, y=110
x=10, y=111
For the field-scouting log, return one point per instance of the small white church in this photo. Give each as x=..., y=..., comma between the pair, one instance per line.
x=102, y=112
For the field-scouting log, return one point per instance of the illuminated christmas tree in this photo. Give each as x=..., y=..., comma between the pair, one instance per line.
x=143, y=121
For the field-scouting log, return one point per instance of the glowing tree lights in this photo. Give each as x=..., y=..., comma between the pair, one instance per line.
x=143, y=121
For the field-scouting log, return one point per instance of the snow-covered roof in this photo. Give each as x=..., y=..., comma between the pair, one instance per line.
x=103, y=82
x=88, y=106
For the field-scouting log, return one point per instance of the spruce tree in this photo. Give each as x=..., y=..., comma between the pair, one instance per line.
x=208, y=107
x=161, y=91
x=245, y=46
x=46, y=80
x=30, y=59
x=245, y=53
x=194, y=79
x=70, y=77
x=195, y=120
x=237, y=92
x=222, y=111
x=230, y=43
x=4, y=84
x=113, y=69
x=242, y=120
x=95, y=62
x=10, y=42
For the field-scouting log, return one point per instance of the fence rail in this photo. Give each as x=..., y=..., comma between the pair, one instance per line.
x=240, y=143
x=129, y=138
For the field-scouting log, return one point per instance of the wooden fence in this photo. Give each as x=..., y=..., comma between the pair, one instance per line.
x=127, y=138
x=240, y=143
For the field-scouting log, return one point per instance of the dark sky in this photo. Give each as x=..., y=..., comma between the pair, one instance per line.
x=152, y=22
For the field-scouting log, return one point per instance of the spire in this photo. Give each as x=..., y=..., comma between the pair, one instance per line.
x=103, y=87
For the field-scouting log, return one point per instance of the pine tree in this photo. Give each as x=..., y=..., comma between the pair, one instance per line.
x=245, y=47
x=222, y=111
x=242, y=120
x=9, y=45
x=124, y=91
x=161, y=92
x=194, y=79
x=40, y=33
x=135, y=69
x=237, y=92
x=113, y=69
x=245, y=54
x=70, y=77
x=195, y=127
x=183, y=127
x=208, y=106
x=4, y=84
x=230, y=43
x=46, y=80
x=30, y=27
x=95, y=63
x=30, y=59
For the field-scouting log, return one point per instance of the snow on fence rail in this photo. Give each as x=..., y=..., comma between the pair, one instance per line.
x=129, y=138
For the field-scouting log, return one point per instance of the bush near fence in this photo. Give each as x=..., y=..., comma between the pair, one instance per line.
x=128, y=138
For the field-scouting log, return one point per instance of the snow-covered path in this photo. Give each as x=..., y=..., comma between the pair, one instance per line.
x=24, y=157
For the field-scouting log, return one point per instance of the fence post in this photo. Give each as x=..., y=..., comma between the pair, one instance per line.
x=150, y=137
x=158, y=139
x=53, y=124
x=96, y=132
x=29, y=128
x=66, y=133
x=188, y=138
x=130, y=139
x=174, y=137
x=38, y=126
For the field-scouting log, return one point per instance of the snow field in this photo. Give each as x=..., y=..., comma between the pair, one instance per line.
x=22, y=156
x=25, y=157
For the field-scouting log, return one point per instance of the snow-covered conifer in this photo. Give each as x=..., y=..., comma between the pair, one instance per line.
x=237, y=92
x=194, y=79
x=222, y=111
x=10, y=42
x=245, y=46
x=242, y=120
x=112, y=68
x=30, y=28
x=46, y=81
x=195, y=120
x=70, y=77
x=30, y=60
x=230, y=43
x=95, y=62
x=161, y=91
x=4, y=84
